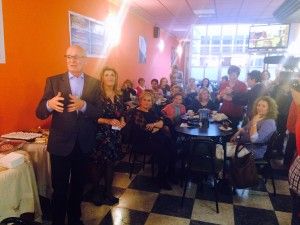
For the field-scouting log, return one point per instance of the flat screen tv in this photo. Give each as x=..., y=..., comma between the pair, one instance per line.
x=269, y=36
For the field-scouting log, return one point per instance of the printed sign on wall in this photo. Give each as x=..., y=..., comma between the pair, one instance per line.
x=2, y=48
x=88, y=33
x=142, y=50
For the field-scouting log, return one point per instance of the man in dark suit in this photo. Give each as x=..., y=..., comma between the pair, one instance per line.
x=257, y=89
x=72, y=99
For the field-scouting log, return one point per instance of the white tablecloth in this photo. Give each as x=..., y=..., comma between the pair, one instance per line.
x=41, y=164
x=18, y=191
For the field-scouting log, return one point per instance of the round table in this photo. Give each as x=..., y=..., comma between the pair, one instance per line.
x=213, y=131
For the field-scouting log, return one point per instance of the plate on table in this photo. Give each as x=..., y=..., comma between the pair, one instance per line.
x=193, y=123
x=219, y=117
x=26, y=136
x=11, y=145
x=225, y=129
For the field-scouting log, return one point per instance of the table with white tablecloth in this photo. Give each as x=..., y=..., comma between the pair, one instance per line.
x=18, y=191
x=41, y=163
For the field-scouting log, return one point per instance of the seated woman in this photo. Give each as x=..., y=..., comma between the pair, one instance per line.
x=205, y=83
x=128, y=93
x=203, y=101
x=141, y=86
x=174, y=110
x=191, y=86
x=164, y=86
x=147, y=136
x=260, y=128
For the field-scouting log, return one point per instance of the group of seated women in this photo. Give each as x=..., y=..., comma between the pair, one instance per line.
x=152, y=131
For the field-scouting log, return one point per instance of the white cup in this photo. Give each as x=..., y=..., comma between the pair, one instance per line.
x=190, y=112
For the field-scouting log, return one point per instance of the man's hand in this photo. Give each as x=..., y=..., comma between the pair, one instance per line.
x=56, y=104
x=122, y=123
x=76, y=103
x=150, y=126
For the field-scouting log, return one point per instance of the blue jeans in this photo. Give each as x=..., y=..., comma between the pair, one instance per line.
x=295, y=209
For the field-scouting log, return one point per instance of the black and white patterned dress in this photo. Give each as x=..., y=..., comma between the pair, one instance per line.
x=108, y=140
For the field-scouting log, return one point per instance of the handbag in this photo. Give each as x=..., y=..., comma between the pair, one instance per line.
x=230, y=151
x=243, y=170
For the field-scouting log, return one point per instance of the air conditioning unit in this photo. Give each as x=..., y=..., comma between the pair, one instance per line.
x=288, y=12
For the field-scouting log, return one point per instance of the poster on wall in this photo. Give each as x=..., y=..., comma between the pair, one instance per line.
x=142, y=50
x=2, y=49
x=88, y=33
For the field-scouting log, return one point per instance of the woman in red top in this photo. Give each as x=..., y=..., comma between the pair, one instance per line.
x=227, y=89
x=141, y=86
x=174, y=110
x=291, y=143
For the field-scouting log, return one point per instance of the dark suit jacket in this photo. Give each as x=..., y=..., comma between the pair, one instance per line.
x=69, y=127
x=248, y=98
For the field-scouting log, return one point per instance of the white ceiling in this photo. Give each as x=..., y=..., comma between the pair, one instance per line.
x=176, y=16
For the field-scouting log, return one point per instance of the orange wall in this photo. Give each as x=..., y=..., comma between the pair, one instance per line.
x=36, y=35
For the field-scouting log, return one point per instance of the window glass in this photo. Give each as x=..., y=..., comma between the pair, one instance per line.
x=215, y=47
x=199, y=31
x=195, y=61
x=197, y=73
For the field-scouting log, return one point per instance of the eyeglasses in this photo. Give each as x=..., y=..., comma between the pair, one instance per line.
x=74, y=57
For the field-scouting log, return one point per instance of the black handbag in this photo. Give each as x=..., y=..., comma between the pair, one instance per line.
x=243, y=170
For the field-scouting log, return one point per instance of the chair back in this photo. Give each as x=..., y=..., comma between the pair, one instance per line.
x=271, y=145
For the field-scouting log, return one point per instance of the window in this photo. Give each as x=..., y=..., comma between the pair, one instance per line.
x=216, y=40
x=216, y=47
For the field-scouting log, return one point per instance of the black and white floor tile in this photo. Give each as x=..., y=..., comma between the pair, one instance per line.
x=143, y=203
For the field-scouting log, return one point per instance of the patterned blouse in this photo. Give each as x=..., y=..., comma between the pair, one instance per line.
x=137, y=121
x=108, y=140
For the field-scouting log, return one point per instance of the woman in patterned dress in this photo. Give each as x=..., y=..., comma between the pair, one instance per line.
x=108, y=138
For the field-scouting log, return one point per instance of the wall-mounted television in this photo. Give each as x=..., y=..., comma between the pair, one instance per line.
x=269, y=36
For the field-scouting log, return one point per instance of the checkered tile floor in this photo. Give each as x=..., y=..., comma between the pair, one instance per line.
x=141, y=202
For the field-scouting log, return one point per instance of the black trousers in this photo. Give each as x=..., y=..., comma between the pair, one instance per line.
x=67, y=191
x=296, y=208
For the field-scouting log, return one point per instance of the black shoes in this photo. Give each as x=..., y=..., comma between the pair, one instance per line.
x=163, y=184
x=98, y=200
x=110, y=200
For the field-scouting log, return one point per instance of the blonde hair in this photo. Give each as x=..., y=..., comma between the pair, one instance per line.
x=148, y=93
x=115, y=87
x=201, y=91
x=273, y=109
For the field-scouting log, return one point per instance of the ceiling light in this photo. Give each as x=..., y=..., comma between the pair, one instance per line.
x=205, y=12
